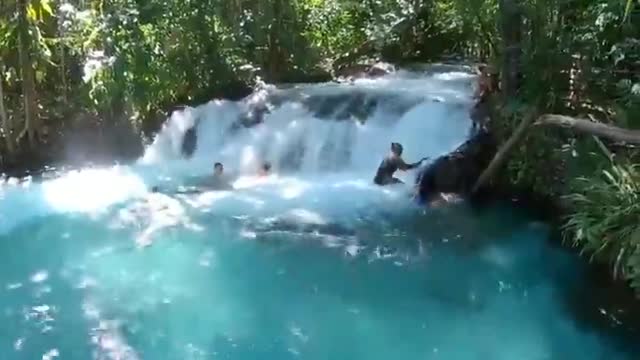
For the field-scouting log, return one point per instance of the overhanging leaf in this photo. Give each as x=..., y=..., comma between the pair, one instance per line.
x=46, y=7
x=627, y=10
x=31, y=13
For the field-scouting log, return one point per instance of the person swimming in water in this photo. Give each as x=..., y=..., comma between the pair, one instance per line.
x=391, y=164
x=265, y=169
x=216, y=181
x=219, y=180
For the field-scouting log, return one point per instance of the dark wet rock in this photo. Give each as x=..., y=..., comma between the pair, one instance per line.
x=358, y=105
x=314, y=76
x=292, y=225
x=292, y=158
x=380, y=69
x=358, y=71
x=457, y=171
x=349, y=105
x=435, y=68
x=481, y=113
x=254, y=116
x=189, y=142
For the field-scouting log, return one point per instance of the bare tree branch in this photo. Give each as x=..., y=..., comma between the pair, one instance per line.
x=610, y=132
x=596, y=129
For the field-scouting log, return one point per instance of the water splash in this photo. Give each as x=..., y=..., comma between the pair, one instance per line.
x=310, y=148
x=311, y=261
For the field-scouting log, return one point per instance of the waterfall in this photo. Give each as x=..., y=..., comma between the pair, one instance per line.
x=325, y=128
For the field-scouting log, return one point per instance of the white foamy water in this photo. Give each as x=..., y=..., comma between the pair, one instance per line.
x=323, y=146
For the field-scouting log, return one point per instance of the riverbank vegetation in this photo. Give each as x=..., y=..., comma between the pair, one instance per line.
x=578, y=64
x=84, y=78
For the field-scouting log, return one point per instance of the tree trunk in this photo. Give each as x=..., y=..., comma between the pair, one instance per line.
x=502, y=155
x=28, y=78
x=275, y=58
x=6, y=126
x=63, y=63
x=511, y=28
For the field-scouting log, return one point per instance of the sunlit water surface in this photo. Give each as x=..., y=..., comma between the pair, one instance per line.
x=312, y=262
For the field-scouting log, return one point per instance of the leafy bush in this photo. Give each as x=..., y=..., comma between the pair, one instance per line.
x=605, y=220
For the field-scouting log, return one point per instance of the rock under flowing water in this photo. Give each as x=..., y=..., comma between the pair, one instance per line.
x=311, y=262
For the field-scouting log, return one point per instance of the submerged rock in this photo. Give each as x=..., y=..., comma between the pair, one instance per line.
x=358, y=71
x=347, y=105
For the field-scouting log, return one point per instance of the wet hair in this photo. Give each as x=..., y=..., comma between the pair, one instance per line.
x=266, y=166
x=486, y=69
x=396, y=147
x=216, y=165
x=155, y=189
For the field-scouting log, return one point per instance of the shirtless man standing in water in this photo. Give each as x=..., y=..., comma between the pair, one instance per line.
x=390, y=164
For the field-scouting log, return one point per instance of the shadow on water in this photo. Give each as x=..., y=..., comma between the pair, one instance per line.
x=586, y=291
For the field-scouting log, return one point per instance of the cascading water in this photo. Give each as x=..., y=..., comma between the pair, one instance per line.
x=311, y=262
x=324, y=129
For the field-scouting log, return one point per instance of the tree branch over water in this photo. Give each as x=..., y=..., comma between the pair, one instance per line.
x=610, y=132
x=585, y=126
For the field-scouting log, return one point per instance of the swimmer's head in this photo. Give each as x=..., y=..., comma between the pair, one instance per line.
x=265, y=168
x=155, y=189
x=218, y=168
x=485, y=69
x=396, y=148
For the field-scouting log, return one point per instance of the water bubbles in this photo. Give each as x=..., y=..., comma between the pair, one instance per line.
x=42, y=316
x=297, y=332
x=13, y=286
x=206, y=258
x=353, y=250
x=51, y=354
x=86, y=282
x=19, y=344
x=106, y=336
x=39, y=276
x=42, y=309
x=248, y=234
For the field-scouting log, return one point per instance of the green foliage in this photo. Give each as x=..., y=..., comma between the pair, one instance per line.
x=582, y=58
x=578, y=58
x=605, y=222
x=136, y=58
x=334, y=26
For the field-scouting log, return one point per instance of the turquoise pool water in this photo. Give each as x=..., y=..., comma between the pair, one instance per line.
x=313, y=262
x=368, y=284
